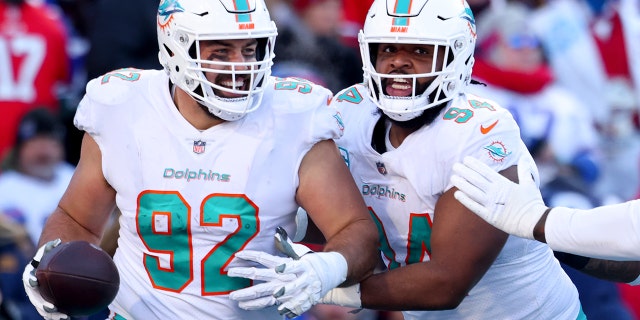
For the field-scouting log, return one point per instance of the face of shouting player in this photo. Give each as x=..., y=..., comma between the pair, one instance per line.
x=229, y=51
x=407, y=59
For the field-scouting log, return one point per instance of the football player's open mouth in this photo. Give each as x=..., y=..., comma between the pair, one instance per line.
x=399, y=87
x=239, y=84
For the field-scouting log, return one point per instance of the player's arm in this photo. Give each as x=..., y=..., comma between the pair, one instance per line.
x=607, y=232
x=85, y=207
x=332, y=200
x=463, y=247
x=610, y=270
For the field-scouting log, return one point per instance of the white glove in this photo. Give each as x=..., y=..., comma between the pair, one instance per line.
x=45, y=308
x=261, y=295
x=514, y=208
x=317, y=274
x=314, y=275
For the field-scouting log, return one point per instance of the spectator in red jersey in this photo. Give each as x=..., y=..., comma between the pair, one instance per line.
x=33, y=62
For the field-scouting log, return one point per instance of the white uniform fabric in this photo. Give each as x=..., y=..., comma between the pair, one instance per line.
x=30, y=201
x=402, y=187
x=608, y=232
x=188, y=207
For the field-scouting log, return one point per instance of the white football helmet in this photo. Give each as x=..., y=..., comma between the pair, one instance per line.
x=182, y=24
x=449, y=25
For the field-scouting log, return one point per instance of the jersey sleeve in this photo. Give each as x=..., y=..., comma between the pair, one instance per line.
x=307, y=111
x=607, y=232
x=106, y=101
x=85, y=114
x=326, y=124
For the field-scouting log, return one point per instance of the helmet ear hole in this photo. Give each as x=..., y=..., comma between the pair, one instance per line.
x=192, y=52
x=261, y=48
x=373, y=53
x=171, y=54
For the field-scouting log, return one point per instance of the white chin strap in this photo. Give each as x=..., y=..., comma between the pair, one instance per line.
x=403, y=108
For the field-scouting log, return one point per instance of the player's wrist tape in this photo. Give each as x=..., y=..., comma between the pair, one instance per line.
x=346, y=297
x=331, y=267
x=635, y=282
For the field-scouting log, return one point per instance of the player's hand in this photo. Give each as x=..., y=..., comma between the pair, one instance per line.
x=45, y=308
x=260, y=295
x=315, y=274
x=514, y=208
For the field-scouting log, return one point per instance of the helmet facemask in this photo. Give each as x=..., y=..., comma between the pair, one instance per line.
x=242, y=80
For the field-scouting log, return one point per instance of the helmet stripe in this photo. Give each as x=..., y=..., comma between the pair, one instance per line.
x=242, y=5
x=402, y=7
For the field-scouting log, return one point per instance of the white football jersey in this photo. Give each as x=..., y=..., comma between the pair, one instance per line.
x=191, y=199
x=401, y=188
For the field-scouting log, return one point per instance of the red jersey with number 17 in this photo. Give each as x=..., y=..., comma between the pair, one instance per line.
x=33, y=59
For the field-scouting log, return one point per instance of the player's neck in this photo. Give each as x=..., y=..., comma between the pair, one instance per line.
x=387, y=134
x=397, y=134
x=191, y=110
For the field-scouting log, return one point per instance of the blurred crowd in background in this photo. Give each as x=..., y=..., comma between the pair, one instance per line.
x=568, y=70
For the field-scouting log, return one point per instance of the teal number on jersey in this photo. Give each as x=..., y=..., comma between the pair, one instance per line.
x=419, y=239
x=164, y=226
x=216, y=208
x=302, y=85
x=481, y=105
x=350, y=95
x=123, y=74
x=458, y=115
x=385, y=248
x=463, y=115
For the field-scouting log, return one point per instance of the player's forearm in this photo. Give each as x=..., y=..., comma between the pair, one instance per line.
x=617, y=271
x=360, y=251
x=412, y=287
x=61, y=225
x=609, y=232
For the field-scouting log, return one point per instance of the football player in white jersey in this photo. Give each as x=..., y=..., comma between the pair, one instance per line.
x=405, y=127
x=205, y=158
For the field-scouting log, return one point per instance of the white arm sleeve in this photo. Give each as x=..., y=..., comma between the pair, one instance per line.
x=609, y=232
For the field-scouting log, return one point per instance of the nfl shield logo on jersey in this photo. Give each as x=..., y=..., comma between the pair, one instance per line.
x=198, y=146
x=381, y=168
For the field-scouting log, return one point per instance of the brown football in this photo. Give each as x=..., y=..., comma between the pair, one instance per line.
x=79, y=278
